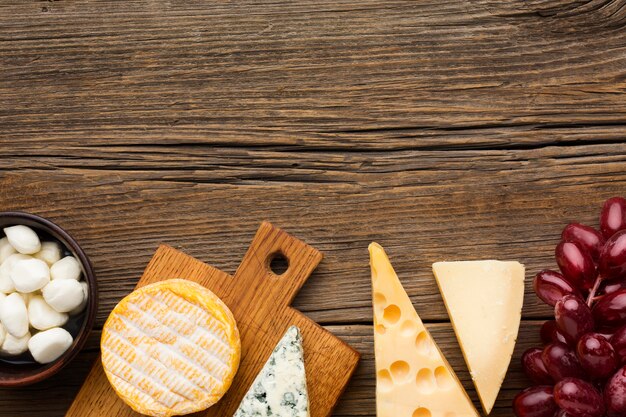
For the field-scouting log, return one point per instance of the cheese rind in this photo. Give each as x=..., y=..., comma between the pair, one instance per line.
x=413, y=378
x=280, y=388
x=170, y=348
x=484, y=301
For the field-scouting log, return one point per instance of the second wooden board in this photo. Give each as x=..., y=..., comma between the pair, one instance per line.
x=259, y=300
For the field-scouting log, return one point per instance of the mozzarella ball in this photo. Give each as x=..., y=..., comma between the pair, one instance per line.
x=2, y=297
x=15, y=345
x=82, y=305
x=30, y=275
x=63, y=295
x=3, y=334
x=66, y=268
x=23, y=239
x=49, y=345
x=14, y=315
x=6, y=249
x=6, y=283
x=50, y=252
x=42, y=316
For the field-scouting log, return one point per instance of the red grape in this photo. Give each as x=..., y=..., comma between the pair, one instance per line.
x=615, y=394
x=576, y=264
x=613, y=216
x=613, y=257
x=578, y=398
x=550, y=333
x=551, y=286
x=573, y=317
x=610, y=310
x=535, y=402
x=618, y=340
x=589, y=238
x=561, y=362
x=585, y=345
x=596, y=355
x=611, y=286
x=534, y=368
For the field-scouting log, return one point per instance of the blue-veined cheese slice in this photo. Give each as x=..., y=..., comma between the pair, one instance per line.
x=280, y=388
x=170, y=348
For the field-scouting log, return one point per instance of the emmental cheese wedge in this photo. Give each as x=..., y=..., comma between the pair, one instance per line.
x=484, y=301
x=170, y=348
x=280, y=388
x=413, y=379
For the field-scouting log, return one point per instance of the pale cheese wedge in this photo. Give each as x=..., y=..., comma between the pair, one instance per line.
x=484, y=301
x=413, y=379
x=170, y=348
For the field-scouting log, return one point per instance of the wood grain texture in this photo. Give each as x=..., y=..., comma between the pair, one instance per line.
x=259, y=301
x=332, y=74
x=466, y=129
x=423, y=206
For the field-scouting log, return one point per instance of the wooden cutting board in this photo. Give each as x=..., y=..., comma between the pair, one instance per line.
x=260, y=301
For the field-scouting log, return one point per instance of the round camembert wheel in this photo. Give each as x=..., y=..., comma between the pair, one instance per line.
x=170, y=348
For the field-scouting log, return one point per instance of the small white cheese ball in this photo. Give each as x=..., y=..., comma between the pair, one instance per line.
x=50, y=252
x=63, y=295
x=49, y=345
x=30, y=275
x=3, y=334
x=15, y=345
x=42, y=316
x=2, y=297
x=6, y=249
x=66, y=268
x=6, y=283
x=23, y=239
x=82, y=305
x=14, y=315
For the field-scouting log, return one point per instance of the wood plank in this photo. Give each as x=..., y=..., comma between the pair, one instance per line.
x=422, y=206
x=55, y=395
x=333, y=74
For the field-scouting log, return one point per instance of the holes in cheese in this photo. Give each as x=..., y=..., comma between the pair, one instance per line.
x=400, y=370
x=392, y=314
x=413, y=378
x=408, y=328
x=422, y=412
x=384, y=381
x=423, y=344
x=425, y=381
x=443, y=378
x=170, y=348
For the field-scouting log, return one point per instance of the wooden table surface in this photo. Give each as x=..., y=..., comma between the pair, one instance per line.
x=466, y=129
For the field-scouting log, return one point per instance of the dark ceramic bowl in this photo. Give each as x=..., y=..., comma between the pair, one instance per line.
x=22, y=370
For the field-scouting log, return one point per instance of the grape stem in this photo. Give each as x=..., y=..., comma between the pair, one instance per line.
x=592, y=294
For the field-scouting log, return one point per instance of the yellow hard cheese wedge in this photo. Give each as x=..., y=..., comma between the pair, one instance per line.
x=484, y=301
x=413, y=379
x=170, y=348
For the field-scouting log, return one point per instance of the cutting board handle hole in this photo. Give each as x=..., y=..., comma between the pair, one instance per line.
x=278, y=263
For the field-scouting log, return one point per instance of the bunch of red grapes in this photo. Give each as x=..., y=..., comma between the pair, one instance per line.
x=580, y=371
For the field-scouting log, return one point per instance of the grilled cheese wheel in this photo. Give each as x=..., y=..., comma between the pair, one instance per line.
x=170, y=348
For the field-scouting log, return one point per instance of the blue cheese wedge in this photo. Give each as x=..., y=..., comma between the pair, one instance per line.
x=280, y=388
